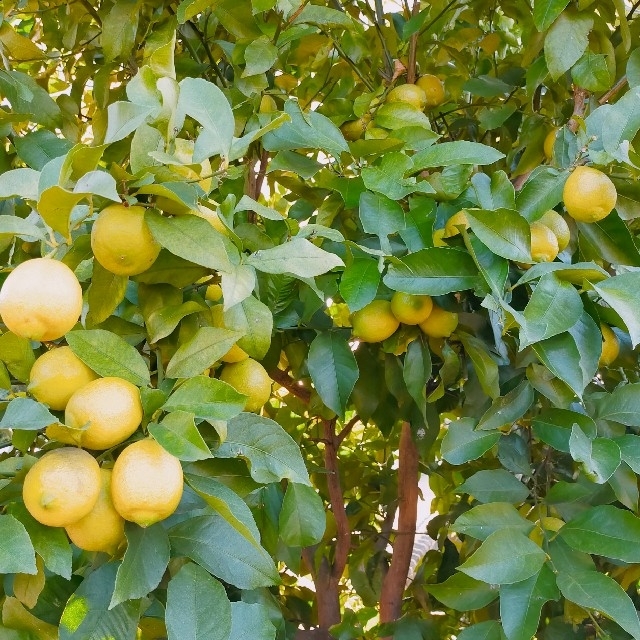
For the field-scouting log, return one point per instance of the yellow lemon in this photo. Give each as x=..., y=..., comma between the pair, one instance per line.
x=109, y=408
x=235, y=354
x=559, y=226
x=56, y=375
x=213, y=293
x=374, y=322
x=121, y=240
x=409, y=94
x=102, y=529
x=549, y=143
x=440, y=323
x=610, y=346
x=589, y=195
x=353, y=129
x=147, y=484
x=457, y=220
x=62, y=487
x=250, y=378
x=41, y=299
x=410, y=309
x=544, y=244
x=433, y=89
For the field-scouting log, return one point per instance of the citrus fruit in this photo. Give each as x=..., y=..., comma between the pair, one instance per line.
x=375, y=322
x=440, y=323
x=409, y=94
x=610, y=346
x=250, y=378
x=56, y=375
x=213, y=293
x=353, y=129
x=410, y=309
x=62, y=487
x=457, y=220
x=433, y=89
x=121, y=240
x=589, y=195
x=549, y=143
x=438, y=238
x=102, y=529
x=109, y=408
x=559, y=226
x=235, y=354
x=41, y=299
x=544, y=244
x=146, y=485
x=267, y=105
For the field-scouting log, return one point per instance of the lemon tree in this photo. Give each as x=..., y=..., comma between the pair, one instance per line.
x=319, y=320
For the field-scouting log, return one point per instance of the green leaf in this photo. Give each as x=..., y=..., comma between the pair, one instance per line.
x=553, y=426
x=87, y=616
x=190, y=8
x=298, y=257
x=416, y=372
x=251, y=621
x=630, y=450
x=260, y=55
x=255, y=320
x=56, y=205
x=463, y=593
x=28, y=97
x=271, y=451
x=381, y=216
x=333, y=370
x=609, y=239
x=622, y=293
x=494, y=270
x=594, y=590
x=521, y=603
x=504, y=232
x=566, y=41
x=17, y=554
x=227, y=504
x=109, y=355
x=625, y=485
x=237, y=285
x=119, y=28
x=573, y=356
x=123, y=118
x=388, y=178
x=359, y=283
x=197, y=606
x=592, y=72
x=196, y=355
x=484, y=365
x=575, y=273
x=544, y=14
x=605, y=531
x=36, y=149
x=621, y=405
x=487, y=630
x=19, y=182
x=51, y=544
x=554, y=307
x=217, y=546
x=485, y=519
x=206, y=398
x=495, y=192
x=163, y=321
x=173, y=270
x=446, y=154
x=462, y=443
x=505, y=557
x=621, y=121
x=205, y=102
x=323, y=17
x=17, y=354
x=193, y=239
x=541, y=192
x=249, y=204
x=494, y=485
x=144, y=562
x=433, y=272
x=105, y=293
x=633, y=68
x=302, y=518
x=599, y=457
x=178, y=434
x=507, y=409
x=26, y=414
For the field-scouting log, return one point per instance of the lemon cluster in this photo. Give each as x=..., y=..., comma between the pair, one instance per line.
x=380, y=319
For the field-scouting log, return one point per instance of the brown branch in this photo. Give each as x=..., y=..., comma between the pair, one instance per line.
x=286, y=381
x=395, y=580
x=346, y=430
x=343, y=535
x=413, y=44
x=92, y=10
x=617, y=87
x=580, y=97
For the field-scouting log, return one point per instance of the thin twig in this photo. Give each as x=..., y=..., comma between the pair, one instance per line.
x=92, y=10
x=580, y=97
x=617, y=87
x=413, y=43
x=351, y=63
x=284, y=380
x=207, y=50
x=438, y=16
x=346, y=430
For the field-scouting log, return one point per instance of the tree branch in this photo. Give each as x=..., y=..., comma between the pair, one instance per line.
x=617, y=87
x=92, y=10
x=580, y=97
x=284, y=380
x=346, y=430
x=413, y=43
x=395, y=580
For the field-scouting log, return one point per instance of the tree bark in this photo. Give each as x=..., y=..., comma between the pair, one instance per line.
x=395, y=580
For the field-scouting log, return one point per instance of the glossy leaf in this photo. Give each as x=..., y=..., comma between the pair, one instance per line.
x=302, y=518
x=495, y=485
x=484, y=519
x=178, y=434
x=463, y=592
x=462, y=442
x=26, y=414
